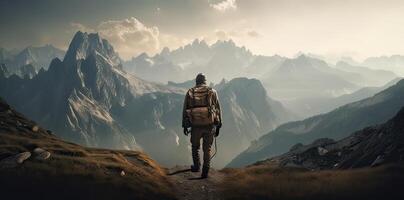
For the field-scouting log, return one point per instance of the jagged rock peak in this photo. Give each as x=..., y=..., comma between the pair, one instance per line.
x=85, y=44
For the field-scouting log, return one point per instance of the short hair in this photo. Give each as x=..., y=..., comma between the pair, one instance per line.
x=200, y=78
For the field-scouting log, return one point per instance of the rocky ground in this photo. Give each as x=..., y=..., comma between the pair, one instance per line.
x=189, y=185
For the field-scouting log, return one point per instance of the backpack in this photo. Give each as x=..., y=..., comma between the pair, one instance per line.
x=201, y=111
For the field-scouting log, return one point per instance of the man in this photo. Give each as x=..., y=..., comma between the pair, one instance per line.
x=202, y=117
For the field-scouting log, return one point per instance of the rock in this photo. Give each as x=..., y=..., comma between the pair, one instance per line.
x=323, y=142
x=41, y=154
x=123, y=173
x=378, y=161
x=14, y=160
x=322, y=151
x=296, y=147
x=21, y=157
x=35, y=128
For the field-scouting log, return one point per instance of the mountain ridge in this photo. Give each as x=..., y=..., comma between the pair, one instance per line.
x=335, y=125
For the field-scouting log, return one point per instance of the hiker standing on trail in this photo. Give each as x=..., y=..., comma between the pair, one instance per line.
x=202, y=117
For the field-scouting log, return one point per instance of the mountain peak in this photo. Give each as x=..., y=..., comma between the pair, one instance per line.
x=85, y=44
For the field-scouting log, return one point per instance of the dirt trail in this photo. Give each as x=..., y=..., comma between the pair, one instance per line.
x=189, y=186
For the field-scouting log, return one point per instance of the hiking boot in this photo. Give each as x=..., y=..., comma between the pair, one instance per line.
x=205, y=171
x=195, y=168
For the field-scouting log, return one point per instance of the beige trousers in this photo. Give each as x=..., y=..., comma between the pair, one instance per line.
x=206, y=134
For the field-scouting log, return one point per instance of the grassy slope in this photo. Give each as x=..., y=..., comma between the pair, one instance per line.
x=73, y=171
x=266, y=182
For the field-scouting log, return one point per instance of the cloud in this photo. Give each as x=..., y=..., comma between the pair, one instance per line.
x=253, y=34
x=224, y=5
x=130, y=37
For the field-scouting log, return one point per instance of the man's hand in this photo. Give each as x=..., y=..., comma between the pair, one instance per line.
x=218, y=125
x=186, y=131
x=217, y=131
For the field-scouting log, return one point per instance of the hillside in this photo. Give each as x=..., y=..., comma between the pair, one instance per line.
x=71, y=171
x=336, y=124
x=368, y=164
x=268, y=182
x=371, y=146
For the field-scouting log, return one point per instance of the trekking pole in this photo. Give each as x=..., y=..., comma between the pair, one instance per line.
x=214, y=154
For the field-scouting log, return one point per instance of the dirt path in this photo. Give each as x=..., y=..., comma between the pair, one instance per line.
x=189, y=186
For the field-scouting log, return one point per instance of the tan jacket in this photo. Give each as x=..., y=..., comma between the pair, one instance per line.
x=188, y=105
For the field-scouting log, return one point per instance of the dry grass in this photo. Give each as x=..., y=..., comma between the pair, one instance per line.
x=77, y=172
x=265, y=182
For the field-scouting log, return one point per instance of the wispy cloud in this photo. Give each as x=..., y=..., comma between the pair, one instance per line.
x=224, y=5
x=130, y=37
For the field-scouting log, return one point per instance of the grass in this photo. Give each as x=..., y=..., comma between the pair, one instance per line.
x=266, y=182
x=77, y=172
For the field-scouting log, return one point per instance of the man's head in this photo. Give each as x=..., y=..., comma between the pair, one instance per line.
x=200, y=79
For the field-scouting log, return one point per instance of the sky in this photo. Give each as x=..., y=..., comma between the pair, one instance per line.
x=333, y=28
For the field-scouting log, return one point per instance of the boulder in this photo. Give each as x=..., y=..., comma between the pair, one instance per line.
x=21, y=157
x=322, y=151
x=41, y=154
x=35, y=128
x=14, y=160
x=378, y=161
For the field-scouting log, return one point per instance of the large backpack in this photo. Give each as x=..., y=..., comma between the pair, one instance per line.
x=202, y=110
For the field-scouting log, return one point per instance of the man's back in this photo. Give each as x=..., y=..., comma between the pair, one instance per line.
x=201, y=96
x=202, y=115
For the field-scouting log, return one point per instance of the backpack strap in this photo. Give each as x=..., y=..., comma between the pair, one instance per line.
x=208, y=100
x=193, y=98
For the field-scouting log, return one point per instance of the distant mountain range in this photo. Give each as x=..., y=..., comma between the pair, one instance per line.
x=222, y=59
x=30, y=60
x=393, y=63
x=336, y=124
x=311, y=106
x=89, y=98
x=293, y=81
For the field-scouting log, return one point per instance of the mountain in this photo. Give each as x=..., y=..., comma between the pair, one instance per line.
x=89, y=99
x=71, y=171
x=247, y=113
x=336, y=124
x=393, y=63
x=303, y=77
x=309, y=86
x=372, y=77
x=38, y=57
x=371, y=146
x=223, y=59
x=315, y=105
x=74, y=96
